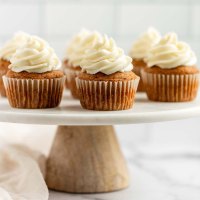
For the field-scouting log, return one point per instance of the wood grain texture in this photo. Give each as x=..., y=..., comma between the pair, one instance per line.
x=86, y=159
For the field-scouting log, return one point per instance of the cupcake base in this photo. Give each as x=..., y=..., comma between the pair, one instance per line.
x=138, y=66
x=175, y=85
x=65, y=66
x=3, y=70
x=32, y=93
x=107, y=95
x=71, y=74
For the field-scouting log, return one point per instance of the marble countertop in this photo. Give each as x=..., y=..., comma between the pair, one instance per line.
x=169, y=175
x=163, y=159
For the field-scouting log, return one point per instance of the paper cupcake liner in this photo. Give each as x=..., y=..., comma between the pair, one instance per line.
x=2, y=88
x=66, y=81
x=71, y=76
x=137, y=70
x=171, y=88
x=107, y=95
x=33, y=94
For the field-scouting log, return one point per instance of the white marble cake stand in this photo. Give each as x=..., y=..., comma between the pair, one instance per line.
x=85, y=156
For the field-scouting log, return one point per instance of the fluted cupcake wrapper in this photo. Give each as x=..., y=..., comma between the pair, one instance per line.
x=71, y=76
x=171, y=88
x=34, y=93
x=137, y=70
x=107, y=95
x=66, y=80
x=2, y=88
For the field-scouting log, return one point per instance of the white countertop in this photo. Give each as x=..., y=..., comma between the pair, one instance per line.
x=169, y=175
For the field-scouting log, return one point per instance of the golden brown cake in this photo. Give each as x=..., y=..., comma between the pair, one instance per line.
x=115, y=77
x=38, y=84
x=28, y=75
x=171, y=75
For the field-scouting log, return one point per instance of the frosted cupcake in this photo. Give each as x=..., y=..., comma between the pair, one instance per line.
x=81, y=42
x=33, y=80
x=140, y=49
x=107, y=81
x=171, y=75
x=6, y=53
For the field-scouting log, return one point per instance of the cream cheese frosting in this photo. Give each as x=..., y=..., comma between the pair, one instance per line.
x=145, y=42
x=82, y=41
x=35, y=56
x=171, y=53
x=11, y=46
x=106, y=57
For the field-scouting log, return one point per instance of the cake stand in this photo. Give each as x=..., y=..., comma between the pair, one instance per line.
x=85, y=156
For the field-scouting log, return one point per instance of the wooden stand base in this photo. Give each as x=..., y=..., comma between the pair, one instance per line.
x=86, y=159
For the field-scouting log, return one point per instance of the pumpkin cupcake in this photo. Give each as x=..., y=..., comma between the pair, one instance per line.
x=75, y=52
x=33, y=80
x=139, y=51
x=171, y=75
x=6, y=53
x=107, y=81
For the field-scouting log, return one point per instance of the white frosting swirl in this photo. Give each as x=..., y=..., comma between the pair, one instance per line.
x=171, y=53
x=106, y=57
x=82, y=41
x=36, y=56
x=145, y=42
x=11, y=46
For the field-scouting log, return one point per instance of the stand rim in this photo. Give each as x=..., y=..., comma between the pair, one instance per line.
x=71, y=113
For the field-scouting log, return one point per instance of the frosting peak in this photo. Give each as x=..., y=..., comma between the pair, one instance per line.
x=105, y=57
x=35, y=56
x=171, y=53
x=11, y=46
x=169, y=38
x=82, y=41
x=145, y=42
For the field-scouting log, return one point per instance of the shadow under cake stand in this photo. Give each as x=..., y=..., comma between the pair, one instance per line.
x=85, y=156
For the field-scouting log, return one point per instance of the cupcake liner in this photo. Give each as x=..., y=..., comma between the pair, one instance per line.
x=171, y=88
x=33, y=94
x=107, y=95
x=66, y=81
x=2, y=88
x=137, y=70
x=71, y=76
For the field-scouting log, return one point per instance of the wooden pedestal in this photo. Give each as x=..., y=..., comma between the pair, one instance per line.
x=86, y=159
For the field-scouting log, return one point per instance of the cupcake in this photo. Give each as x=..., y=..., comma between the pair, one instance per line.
x=75, y=53
x=6, y=53
x=171, y=74
x=107, y=81
x=139, y=51
x=33, y=80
